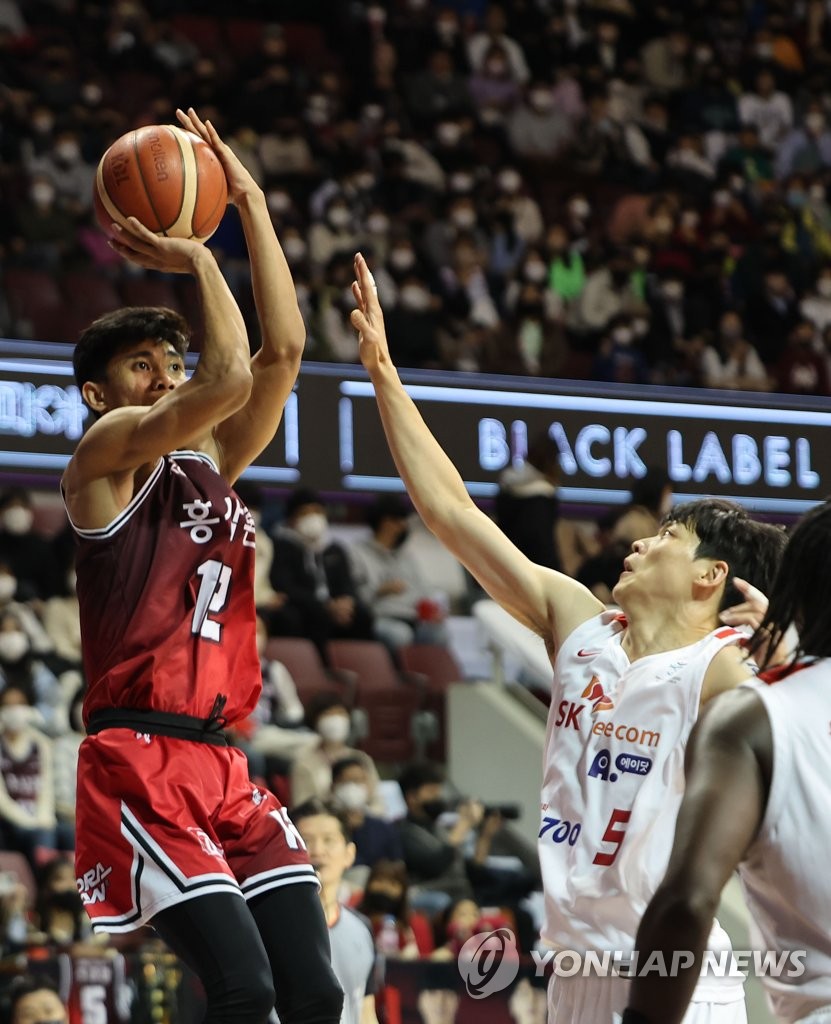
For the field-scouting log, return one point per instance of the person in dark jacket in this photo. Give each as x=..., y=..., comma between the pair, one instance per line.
x=527, y=506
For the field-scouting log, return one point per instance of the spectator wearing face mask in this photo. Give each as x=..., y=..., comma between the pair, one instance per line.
x=386, y=894
x=772, y=315
x=315, y=575
x=536, y=129
x=333, y=235
x=767, y=108
x=438, y=91
x=481, y=43
x=42, y=231
x=461, y=221
x=66, y=168
x=27, y=795
x=619, y=358
x=19, y=666
x=59, y=912
x=39, y=640
x=512, y=197
x=806, y=149
x=389, y=578
x=27, y=554
x=739, y=366
x=65, y=750
x=414, y=324
x=816, y=305
x=311, y=770
x=494, y=89
x=801, y=369
x=62, y=622
x=374, y=838
x=609, y=292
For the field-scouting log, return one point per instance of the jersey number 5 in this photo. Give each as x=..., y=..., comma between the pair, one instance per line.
x=613, y=835
x=215, y=579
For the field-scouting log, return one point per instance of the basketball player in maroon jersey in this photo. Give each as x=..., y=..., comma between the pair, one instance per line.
x=170, y=829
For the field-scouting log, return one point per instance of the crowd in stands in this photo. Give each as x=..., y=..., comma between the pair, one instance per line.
x=618, y=190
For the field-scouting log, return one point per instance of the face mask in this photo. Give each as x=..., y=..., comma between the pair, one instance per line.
x=622, y=336
x=814, y=122
x=689, y=218
x=373, y=112
x=334, y=728
x=535, y=270
x=92, y=94
x=339, y=216
x=377, y=224
x=278, y=202
x=13, y=646
x=509, y=181
x=294, y=249
x=313, y=526
x=69, y=900
x=68, y=152
x=818, y=193
x=365, y=181
x=434, y=808
x=18, y=520
x=673, y=290
x=15, y=717
x=354, y=796
x=449, y=133
x=721, y=198
x=402, y=259
x=824, y=287
x=580, y=208
x=43, y=125
x=542, y=102
x=463, y=218
x=447, y=29
x=8, y=586
x=42, y=195
x=461, y=182
x=415, y=298
x=704, y=55
x=381, y=903
x=640, y=328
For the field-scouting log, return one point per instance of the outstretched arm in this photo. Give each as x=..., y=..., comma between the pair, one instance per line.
x=548, y=602
x=728, y=778
x=245, y=434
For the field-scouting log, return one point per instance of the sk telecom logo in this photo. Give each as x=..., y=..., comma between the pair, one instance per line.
x=594, y=692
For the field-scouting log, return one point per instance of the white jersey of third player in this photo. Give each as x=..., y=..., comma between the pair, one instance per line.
x=613, y=781
x=785, y=875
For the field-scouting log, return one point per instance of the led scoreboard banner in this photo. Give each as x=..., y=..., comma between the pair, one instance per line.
x=770, y=452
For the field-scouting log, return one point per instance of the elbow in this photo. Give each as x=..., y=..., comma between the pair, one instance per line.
x=683, y=910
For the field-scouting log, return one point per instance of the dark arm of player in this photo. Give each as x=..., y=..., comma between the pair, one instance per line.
x=728, y=777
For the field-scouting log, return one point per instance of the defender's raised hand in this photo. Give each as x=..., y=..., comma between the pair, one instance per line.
x=368, y=318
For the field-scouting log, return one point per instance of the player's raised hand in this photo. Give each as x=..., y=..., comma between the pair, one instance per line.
x=751, y=611
x=139, y=245
x=240, y=182
x=368, y=318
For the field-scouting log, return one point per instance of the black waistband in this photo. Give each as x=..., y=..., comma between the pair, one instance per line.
x=160, y=723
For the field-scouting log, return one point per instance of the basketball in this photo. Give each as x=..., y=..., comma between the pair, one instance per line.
x=165, y=177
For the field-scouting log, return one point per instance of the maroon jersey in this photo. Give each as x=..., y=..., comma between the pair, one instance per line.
x=22, y=777
x=166, y=597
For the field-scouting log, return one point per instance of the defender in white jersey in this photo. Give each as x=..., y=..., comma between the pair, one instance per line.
x=626, y=691
x=758, y=798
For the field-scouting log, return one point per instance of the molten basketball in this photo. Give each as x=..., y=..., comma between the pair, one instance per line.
x=165, y=177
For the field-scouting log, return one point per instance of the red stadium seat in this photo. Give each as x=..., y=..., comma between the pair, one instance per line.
x=301, y=658
x=441, y=670
x=34, y=301
x=371, y=663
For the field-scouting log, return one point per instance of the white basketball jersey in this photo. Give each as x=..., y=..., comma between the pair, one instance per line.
x=613, y=781
x=785, y=875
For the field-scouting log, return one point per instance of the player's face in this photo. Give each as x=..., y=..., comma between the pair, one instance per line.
x=142, y=373
x=660, y=567
x=329, y=851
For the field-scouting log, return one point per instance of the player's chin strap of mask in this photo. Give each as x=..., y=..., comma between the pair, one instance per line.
x=164, y=723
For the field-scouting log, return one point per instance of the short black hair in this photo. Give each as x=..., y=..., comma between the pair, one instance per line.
x=297, y=499
x=726, y=531
x=314, y=807
x=114, y=331
x=340, y=766
x=801, y=591
x=320, y=704
x=387, y=506
x=25, y=986
x=417, y=774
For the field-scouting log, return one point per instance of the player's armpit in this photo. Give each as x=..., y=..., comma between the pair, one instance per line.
x=728, y=669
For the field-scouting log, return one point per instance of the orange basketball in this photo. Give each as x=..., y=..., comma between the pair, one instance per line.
x=167, y=178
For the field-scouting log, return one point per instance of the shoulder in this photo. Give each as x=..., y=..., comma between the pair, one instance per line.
x=728, y=669
x=734, y=720
x=355, y=920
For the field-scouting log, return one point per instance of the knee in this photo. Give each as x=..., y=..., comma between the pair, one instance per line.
x=321, y=1005
x=244, y=996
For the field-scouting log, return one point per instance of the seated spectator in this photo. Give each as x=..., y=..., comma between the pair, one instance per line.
x=314, y=574
x=27, y=794
x=43, y=233
x=459, y=922
x=536, y=129
x=19, y=666
x=389, y=579
x=772, y=315
x=39, y=640
x=266, y=597
x=527, y=506
x=311, y=770
x=493, y=88
x=493, y=34
x=767, y=108
x=386, y=895
x=22, y=549
x=413, y=324
x=806, y=149
x=374, y=838
x=34, y=1000
x=65, y=750
x=816, y=304
x=62, y=621
x=619, y=358
x=60, y=915
x=739, y=367
x=438, y=91
x=801, y=369
x=608, y=292
x=14, y=914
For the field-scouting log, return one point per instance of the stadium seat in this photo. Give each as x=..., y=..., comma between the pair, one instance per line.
x=434, y=661
x=34, y=301
x=391, y=712
x=372, y=665
x=301, y=658
x=150, y=291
